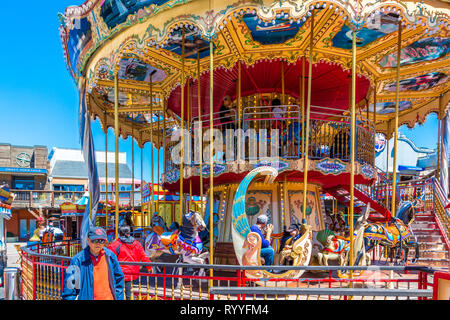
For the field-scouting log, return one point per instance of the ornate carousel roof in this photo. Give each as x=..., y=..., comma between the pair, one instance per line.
x=141, y=40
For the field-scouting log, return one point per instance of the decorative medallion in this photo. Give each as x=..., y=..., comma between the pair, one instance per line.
x=380, y=142
x=280, y=165
x=23, y=159
x=331, y=166
x=368, y=171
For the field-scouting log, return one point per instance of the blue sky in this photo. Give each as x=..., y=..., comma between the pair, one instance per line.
x=39, y=100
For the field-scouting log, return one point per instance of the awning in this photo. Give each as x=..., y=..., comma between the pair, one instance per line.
x=5, y=211
x=26, y=171
x=409, y=168
x=112, y=180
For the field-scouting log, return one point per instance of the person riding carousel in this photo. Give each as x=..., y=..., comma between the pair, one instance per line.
x=295, y=232
x=261, y=226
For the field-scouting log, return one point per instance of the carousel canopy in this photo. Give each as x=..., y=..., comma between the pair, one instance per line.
x=146, y=41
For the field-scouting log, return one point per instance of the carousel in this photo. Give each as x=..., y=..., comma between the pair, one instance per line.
x=264, y=107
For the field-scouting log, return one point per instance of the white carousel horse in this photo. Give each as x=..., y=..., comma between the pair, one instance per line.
x=184, y=242
x=338, y=248
x=247, y=244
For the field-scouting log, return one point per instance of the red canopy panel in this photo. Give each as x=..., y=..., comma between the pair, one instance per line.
x=330, y=85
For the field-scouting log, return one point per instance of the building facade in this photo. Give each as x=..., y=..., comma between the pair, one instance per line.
x=412, y=161
x=69, y=181
x=25, y=169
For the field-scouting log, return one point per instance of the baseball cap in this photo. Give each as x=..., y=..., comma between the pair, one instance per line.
x=293, y=227
x=96, y=233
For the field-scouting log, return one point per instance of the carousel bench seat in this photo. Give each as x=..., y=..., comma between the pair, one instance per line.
x=224, y=253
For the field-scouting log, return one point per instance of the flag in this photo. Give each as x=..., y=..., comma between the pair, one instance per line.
x=444, y=145
x=88, y=150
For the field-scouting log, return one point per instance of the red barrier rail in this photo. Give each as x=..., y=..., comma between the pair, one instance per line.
x=43, y=279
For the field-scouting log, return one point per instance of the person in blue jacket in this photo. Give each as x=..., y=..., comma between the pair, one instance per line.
x=94, y=273
x=267, y=251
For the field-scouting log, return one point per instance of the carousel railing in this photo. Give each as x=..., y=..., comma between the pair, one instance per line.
x=439, y=202
x=44, y=265
x=224, y=122
x=271, y=133
x=266, y=133
x=52, y=198
x=330, y=136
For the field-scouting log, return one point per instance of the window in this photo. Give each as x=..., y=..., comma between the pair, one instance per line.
x=68, y=187
x=23, y=183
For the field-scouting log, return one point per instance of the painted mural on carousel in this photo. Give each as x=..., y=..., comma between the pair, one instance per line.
x=427, y=49
x=276, y=32
x=389, y=107
x=423, y=82
x=375, y=28
x=142, y=118
x=115, y=12
x=259, y=202
x=192, y=43
x=80, y=41
x=313, y=218
x=134, y=69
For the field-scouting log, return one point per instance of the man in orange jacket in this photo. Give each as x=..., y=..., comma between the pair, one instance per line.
x=128, y=249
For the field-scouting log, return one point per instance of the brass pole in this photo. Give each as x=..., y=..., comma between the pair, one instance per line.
x=285, y=198
x=116, y=150
x=132, y=167
x=182, y=129
x=397, y=98
x=164, y=143
x=200, y=130
x=106, y=169
x=306, y=157
x=158, y=174
x=353, y=151
x=375, y=106
x=438, y=167
x=151, y=148
x=211, y=185
x=189, y=105
x=303, y=105
x=239, y=101
x=142, y=180
x=387, y=164
x=283, y=98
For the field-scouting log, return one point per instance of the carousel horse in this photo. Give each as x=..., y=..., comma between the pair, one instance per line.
x=247, y=244
x=184, y=241
x=337, y=247
x=394, y=235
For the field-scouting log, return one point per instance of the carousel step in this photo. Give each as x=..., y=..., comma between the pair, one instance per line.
x=427, y=231
x=433, y=246
x=434, y=261
x=430, y=254
x=430, y=237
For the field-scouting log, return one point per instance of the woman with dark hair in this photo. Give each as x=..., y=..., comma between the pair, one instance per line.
x=226, y=114
x=127, y=248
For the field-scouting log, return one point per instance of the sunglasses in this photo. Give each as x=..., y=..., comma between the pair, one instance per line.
x=100, y=241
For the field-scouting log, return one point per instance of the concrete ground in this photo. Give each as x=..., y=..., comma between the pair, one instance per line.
x=13, y=260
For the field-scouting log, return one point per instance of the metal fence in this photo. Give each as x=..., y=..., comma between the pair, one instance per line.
x=268, y=132
x=44, y=267
x=51, y=198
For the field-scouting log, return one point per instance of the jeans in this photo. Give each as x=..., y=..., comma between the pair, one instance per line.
x=267, y=254
x=128, y=285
